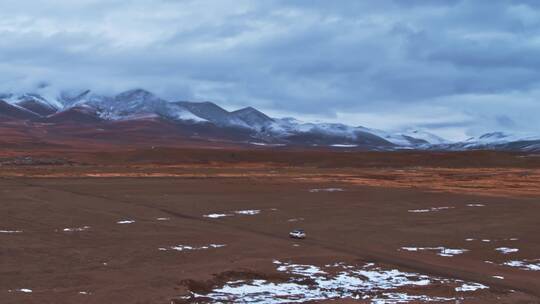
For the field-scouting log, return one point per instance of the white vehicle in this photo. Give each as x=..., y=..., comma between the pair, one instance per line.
x=297, y=234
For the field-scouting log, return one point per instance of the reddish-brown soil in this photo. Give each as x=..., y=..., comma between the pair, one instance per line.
x=42, y=192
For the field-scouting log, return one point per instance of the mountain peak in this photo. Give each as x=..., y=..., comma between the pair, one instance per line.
x=207, y=110
x=33, y=102
x=71, y=97
x=201, y=104
x=11, y=111
x=252, y=117
x=247, y=109
x=135, y=94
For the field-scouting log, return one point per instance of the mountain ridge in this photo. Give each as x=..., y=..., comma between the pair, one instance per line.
x=246, y=124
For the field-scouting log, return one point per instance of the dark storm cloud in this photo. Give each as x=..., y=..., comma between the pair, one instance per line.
x=454, y=67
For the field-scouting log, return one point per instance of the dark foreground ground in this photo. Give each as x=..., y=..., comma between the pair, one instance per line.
x=61, y=238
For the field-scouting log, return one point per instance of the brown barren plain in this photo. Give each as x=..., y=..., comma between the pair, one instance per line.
x=389, y=200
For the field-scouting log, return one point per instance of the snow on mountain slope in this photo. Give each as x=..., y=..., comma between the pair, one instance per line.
x=138, y=104
x=213, y=113
x=132, y=104
x=32, y=102
x=495, y=141
x=13, y=111
x=503, y=141
x=77, y=114
x=424, y=135
x=500, y=138
x=37, y=107
x=409, y=138
x=286, y=126
x=252, y=117
x=178, y=112
x=326, y=134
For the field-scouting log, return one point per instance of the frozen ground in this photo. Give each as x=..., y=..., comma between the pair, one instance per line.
x=336, y=281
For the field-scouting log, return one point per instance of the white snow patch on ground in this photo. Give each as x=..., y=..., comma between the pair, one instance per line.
x=476, y=205
x=216, y=215
x=163, y=219
x=432, y=209
x=123, y=222
x=441, y=208
x=186, y=247
x=295, y=219
x=442, y=251
x=10, y=231
x=506, y=250
x=498, y=277
x=326, y=190
x=334, y=281
x=470, y=287
x=25, y=290
x=76, y=229
x=85, y=293
x=232, y=213
x=488, y=240
x=419, y=210
x=533, y=265
x=247, y=212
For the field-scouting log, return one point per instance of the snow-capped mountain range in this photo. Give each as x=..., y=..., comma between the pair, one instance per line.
x=496, y=141
x=253, y=126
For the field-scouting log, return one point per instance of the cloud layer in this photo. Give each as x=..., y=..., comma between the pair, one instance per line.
x=457, y=68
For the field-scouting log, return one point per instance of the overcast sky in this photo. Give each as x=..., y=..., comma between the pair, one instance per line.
x=456, y=68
